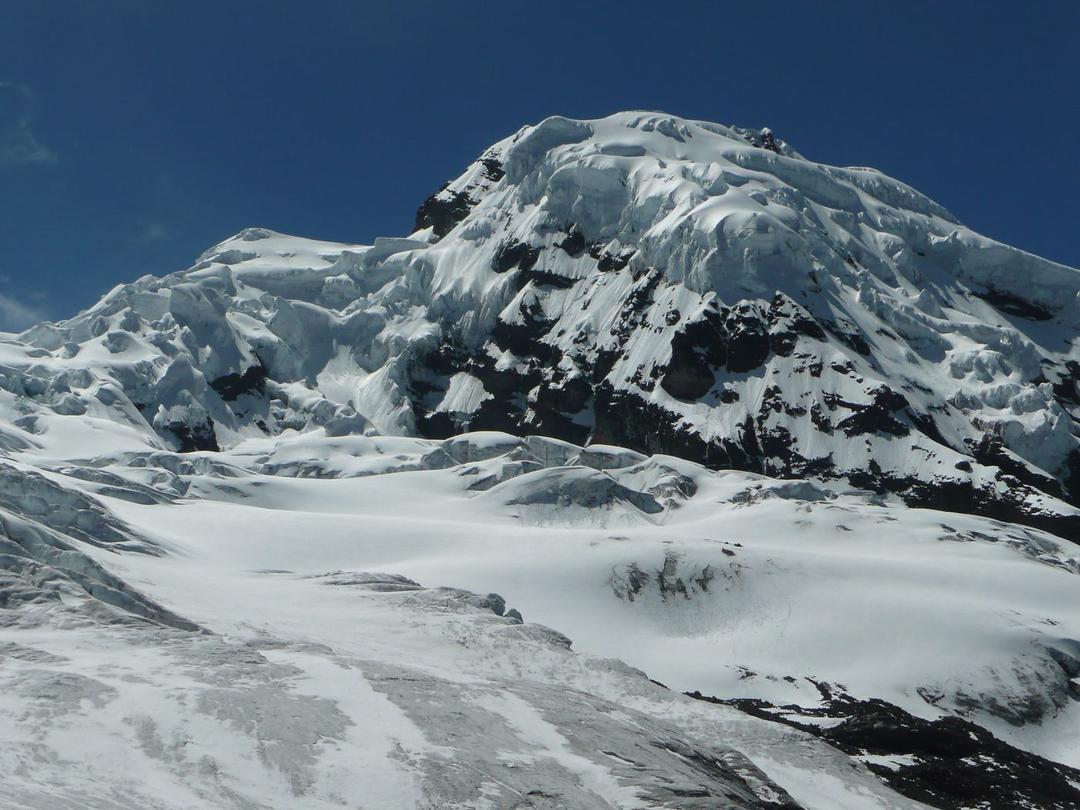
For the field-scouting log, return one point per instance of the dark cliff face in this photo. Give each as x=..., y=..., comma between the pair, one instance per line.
x=582, y=405
x=565, y=385
x=949, y=763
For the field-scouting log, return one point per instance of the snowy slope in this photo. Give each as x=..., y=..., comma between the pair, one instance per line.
x=780, y=434
x=245, y=629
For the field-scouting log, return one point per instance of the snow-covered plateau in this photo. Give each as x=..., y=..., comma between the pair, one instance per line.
x=658, y=467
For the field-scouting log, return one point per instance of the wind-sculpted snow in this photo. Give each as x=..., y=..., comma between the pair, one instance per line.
x=661, y=284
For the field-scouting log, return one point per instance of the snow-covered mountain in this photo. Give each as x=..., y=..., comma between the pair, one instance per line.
x=766, y=431
x=666, y=285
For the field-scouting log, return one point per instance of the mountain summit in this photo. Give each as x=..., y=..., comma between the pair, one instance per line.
x=668, y=285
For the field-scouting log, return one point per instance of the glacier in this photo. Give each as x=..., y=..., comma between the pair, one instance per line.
x=659, y=466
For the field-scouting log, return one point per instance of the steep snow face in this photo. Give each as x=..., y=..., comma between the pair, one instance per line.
x=662, y=284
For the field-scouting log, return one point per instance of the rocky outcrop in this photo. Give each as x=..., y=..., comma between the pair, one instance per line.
x=947, y=763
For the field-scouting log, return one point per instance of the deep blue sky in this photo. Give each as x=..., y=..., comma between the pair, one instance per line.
x=134, y=134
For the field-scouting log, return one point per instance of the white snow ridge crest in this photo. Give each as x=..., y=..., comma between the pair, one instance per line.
x=784, y=436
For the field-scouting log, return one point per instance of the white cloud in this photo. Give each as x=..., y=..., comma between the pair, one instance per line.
x=16, y=315
x=148, y=231
x=19, y=145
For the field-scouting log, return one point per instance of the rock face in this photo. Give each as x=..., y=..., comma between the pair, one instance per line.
x=946, y=763
x=667, y=285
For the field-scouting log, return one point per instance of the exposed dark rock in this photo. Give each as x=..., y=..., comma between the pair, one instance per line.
x=514, y=254
x=748, y=339
x=628, y=583
x=991, y=452
x=788, y=320
x=495, y=603
x=927, y=426
x=671, y=581
x=493, y=169
x=191, y=438
x=523, y=339
x=630, y=421
x=574, y=243
x=1071, y=477
x=610, y=262
x=853, y=340
x=233, y=386
x=876, y=417
x=688, y=382
x=961, y=495
x=555, y=401
x=545, y=278
x=953, y=764
x=768, y=141
x=1015, y=305
x=697, y=348
x=442, y=211
x=1068, y=387
x=820, y=420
